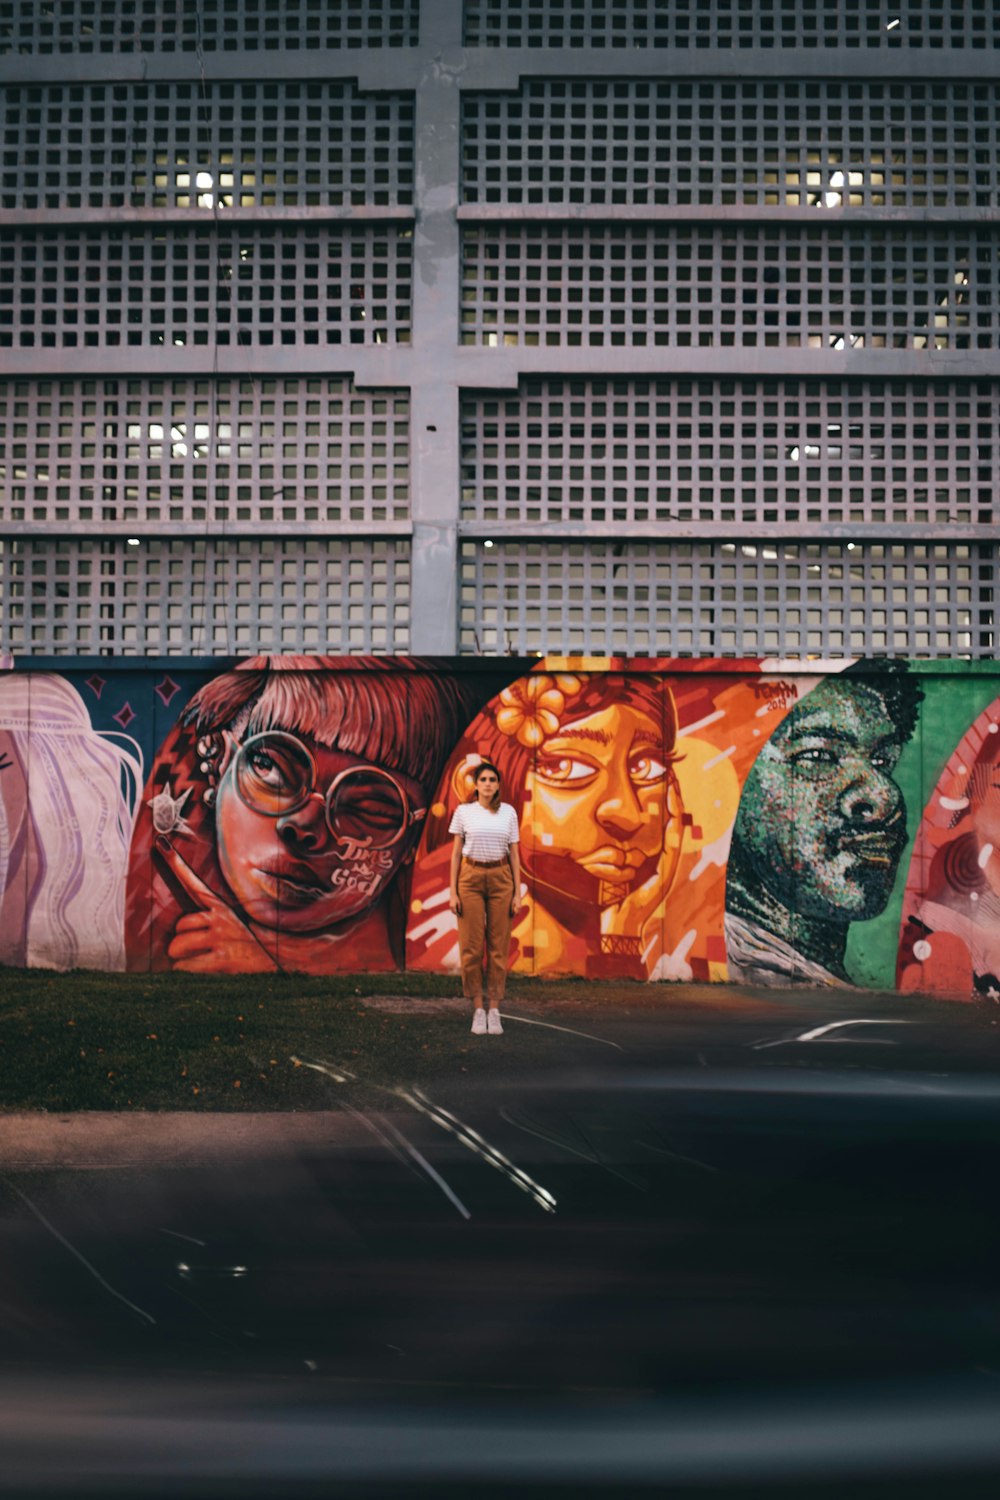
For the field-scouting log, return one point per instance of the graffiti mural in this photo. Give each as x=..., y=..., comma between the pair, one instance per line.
x=820, y=823
x=282, y=812
x=67, y=801
x=627, y=785
x=589, y=765
x=820, y=830
x=950, y=938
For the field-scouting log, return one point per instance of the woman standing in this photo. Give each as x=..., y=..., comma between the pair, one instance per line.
x=590, y=760
x=485, y=886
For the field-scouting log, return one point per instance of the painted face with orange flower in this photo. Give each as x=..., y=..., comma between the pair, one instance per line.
x=601, y=789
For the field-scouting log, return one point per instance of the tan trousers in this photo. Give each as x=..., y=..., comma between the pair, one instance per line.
x=485, y=921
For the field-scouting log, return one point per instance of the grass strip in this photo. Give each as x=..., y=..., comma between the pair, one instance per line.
x=87, y=1041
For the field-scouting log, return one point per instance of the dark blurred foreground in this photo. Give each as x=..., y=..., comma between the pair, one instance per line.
x=755, y=1254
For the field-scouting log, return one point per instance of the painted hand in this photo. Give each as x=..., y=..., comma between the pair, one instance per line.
x=630, y=916
x=213, y=939
x=639, y=913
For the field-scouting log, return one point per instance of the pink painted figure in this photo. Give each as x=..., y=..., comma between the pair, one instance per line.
x=67, y=800
x=950, y=933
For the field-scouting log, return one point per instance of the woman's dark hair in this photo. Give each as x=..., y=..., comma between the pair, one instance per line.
x=485, y=765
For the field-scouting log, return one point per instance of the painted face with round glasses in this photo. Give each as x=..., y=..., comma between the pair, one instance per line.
x=308, y=835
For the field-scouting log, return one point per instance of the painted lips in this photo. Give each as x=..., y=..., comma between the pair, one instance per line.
x=879, y=847
x=289, y=884
x=613, y=864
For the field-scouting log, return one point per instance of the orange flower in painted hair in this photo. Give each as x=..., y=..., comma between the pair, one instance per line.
x=531, y=709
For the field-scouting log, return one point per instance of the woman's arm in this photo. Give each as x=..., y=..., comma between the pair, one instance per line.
x=515, y=868
x=456, y=859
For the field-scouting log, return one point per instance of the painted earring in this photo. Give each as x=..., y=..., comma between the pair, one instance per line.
x=209, y=749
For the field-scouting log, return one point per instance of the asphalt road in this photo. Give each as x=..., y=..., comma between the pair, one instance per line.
x=751, y=1251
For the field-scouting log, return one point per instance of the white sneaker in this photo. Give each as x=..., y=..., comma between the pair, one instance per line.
x=493, y=1024
x=479, y=1021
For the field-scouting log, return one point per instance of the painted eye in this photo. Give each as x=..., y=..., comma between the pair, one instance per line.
x=273, y=774
x=269, y=771
x=564, y=769
x=370, y=804
x=815, y=757
x=647, y=768
x=885, y=760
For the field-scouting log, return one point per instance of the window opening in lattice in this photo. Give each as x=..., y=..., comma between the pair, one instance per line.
x=89, y=26
x=308, y=451
x=211, y=146
x=716, y=451
x=702, y=24
x=212, y=596
x=767, y=598
x=821, y=144
x=731, y=286
x=143, y=287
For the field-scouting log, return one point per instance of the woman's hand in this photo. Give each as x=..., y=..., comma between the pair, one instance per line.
x=454, y=899
x=515, y=872
x=213, y=939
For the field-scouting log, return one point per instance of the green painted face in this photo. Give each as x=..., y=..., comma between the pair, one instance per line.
x=821, y=823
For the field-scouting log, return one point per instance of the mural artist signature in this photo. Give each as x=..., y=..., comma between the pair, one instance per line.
x=776, y=695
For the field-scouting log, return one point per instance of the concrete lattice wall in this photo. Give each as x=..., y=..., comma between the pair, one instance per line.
x=545, y=327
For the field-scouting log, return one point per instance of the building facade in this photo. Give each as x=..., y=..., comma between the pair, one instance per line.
x=415, y=326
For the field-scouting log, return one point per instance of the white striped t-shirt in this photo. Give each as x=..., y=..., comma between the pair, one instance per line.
x=486, y=835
